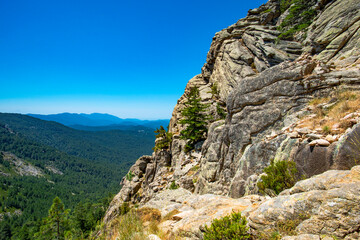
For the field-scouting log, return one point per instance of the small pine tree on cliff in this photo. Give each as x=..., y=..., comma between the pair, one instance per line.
x=163, y=139
x=194, y=117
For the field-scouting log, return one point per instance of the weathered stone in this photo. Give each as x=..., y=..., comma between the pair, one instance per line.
x=313, y=136
x=347, y=153
x=303, y=131
x=197, y=210
x=330, y=138
x=302, y=237
x=349, y=116
x=335, y=28
x=139, y=168
x=319, y=142
x=294, y=135
x=187, y=183
x=330, y=200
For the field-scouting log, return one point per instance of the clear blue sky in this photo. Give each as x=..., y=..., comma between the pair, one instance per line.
x=126, y=58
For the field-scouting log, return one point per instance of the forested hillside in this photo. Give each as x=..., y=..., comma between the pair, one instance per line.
x=108, y=147
x=40, y=160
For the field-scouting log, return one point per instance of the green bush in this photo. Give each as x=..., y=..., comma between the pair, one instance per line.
x=299, y=18
x=173, y=186
x=267, y=10
x=129, y=176
x=214, y=89
x=326, y=129
x=284, y=4
x=279, y=176
x=229, y=227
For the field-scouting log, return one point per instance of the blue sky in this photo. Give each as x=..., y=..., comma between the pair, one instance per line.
x=131, y=59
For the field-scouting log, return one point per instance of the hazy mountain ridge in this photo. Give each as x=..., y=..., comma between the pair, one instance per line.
x=77, y=120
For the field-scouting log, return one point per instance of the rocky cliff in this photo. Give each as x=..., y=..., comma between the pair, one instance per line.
x=280, y=73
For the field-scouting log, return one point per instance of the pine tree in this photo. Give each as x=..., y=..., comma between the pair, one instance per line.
x=56, y=224
x=194, y=117
x=163, y=139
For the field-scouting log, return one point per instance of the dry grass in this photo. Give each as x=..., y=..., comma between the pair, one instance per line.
x=170, y=215
x=128, y=227
x=347, y=102
x=317, y=101
x=284, y=228
x=136, y=225
x=149, y=214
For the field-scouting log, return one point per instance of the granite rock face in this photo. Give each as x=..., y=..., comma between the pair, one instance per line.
x=271, y=99
x=264, y=84
x=335, y=33
x=261, y=106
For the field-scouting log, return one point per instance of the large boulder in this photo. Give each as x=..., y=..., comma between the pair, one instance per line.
x=194, y=211
x=330, y=203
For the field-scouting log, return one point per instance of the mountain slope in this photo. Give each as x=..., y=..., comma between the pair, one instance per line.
x=32, y=174
x=115, y=146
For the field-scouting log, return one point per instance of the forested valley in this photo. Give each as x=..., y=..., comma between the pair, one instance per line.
x=45, y=165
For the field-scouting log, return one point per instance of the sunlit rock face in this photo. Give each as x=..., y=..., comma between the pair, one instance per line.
x=273, y=93
x=264, y=84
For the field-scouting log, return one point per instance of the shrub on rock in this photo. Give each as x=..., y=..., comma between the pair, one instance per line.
x=229, y=227
x=279, y=176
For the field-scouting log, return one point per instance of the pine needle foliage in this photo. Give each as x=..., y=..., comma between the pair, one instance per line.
x=279, y=176
x=163, y=139
x=194, y=117
x=229, y=227
x=220, y=111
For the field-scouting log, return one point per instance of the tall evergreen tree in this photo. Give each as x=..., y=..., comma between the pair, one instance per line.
x=194, y=117
x=56, y=224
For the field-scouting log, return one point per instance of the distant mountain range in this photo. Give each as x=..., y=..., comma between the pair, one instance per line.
x=99, y=121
